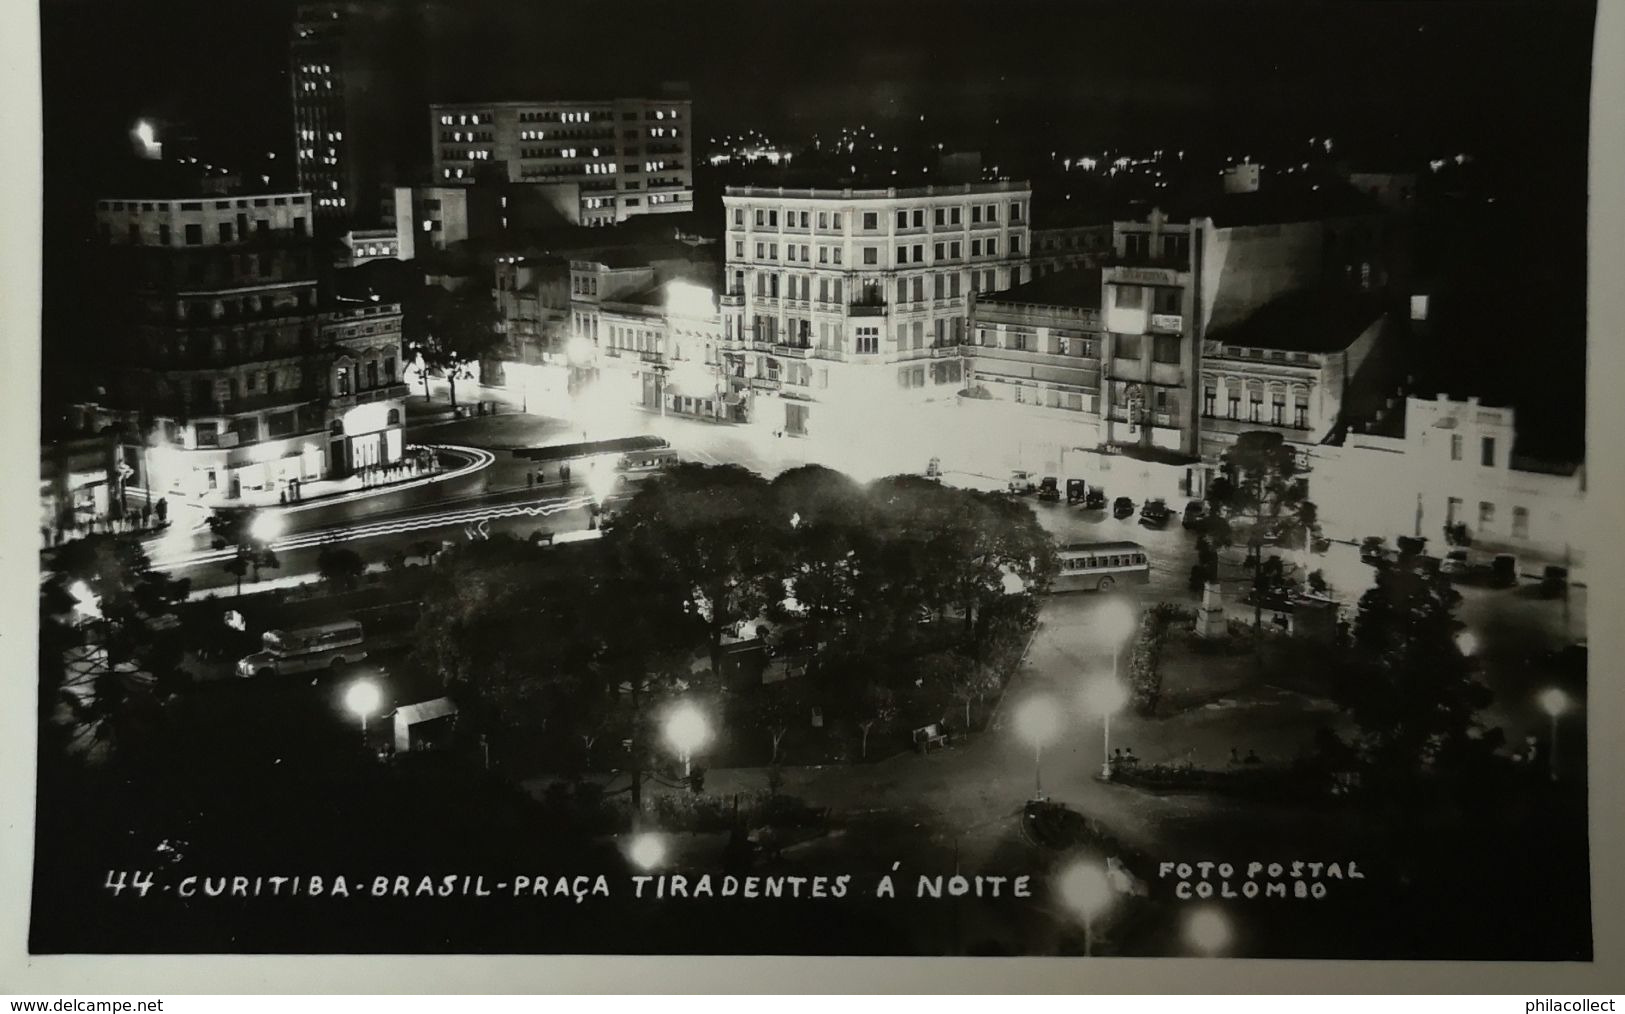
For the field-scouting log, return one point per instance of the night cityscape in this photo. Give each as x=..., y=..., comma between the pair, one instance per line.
x=1035, y=479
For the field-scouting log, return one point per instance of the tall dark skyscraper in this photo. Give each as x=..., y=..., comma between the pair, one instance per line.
x=354, y=104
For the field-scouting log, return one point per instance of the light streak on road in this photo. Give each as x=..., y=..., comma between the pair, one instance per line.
x=478, y=459
x=353, y=533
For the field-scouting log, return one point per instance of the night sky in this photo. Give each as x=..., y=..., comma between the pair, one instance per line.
x=1401, y=78
x=1397, y=82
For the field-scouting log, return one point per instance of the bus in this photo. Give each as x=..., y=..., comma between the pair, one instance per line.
x=288, y=651
x=1101, y=566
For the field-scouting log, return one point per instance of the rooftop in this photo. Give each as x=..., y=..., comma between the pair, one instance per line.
x=1075, y=287
x=1311, y=320
x=883, y=194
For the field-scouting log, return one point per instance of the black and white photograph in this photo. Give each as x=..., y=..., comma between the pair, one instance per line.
x=1101, y=479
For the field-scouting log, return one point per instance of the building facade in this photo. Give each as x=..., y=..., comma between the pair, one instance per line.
x=1066, y=247
x=1032, y=370
x=1445, y=463
x=222, y=391
x=627, y=157
x=1169, y=283
x=843, y=307
x=366, y=401
x=1292, y=367
x=355, y=97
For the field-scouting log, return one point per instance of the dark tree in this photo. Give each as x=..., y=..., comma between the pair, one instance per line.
x=234, y=530
x=341, y=566
x=450, y=331
x=1411, y=691
x=1260, y=498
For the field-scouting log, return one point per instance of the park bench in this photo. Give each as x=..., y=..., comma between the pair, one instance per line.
x=929, y=736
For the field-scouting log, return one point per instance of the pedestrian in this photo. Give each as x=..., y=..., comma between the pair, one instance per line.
x=1129, y=758
x=541, y=476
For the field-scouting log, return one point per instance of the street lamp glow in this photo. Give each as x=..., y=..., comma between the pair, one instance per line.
x=1106, y=697
x=1208, y=931
x=84, y=601
x=266, y=527
x=601, y=482
x=363, y=699
x=1117, y=621
x=1554, y=702
x=1085, y=890
x=647, y=851
x=1467, y=643
x=688, y=731
x=1038, y=723
x=144, y=133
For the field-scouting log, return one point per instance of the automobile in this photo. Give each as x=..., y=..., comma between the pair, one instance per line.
x=1456, y=564
x=1320, y=545
x=1374, y=551
x=1554, y=581
x=1154, y=514
x=1077, y=491
x=1095, y=500
x=1195, y=514
x=1021, y=482
x=933, y=470
x=1123, y=507
x=1049, y=489
x=1504, y=570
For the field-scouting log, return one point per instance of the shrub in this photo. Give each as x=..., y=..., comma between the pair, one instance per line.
x=1145, y=659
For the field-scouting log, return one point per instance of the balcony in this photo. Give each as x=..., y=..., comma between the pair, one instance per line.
x=733, y=299
x=866, y=309
x=385, y=392
x=946, y=351
x=766, y=383
x=792, y=351
x=1033, y=357
x=1167, y=323
x=761, y=346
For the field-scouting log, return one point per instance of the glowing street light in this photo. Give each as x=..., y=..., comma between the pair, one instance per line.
x=600, y=481
x=266, y=527
x=1105, y=698
x=1117, y=625
x=1039, y=724
x=1085, y=890
x=363, y=699
x=687, y=730
x=579, y=350
x=1467, y=643
x=647, y=851
x=1208, y=931
x=1555, y=703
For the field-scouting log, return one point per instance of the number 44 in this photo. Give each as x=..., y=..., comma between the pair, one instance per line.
x=140, y=881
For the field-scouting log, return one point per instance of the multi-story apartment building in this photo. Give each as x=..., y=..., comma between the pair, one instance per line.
x=221, y=389
x=1293, y=367
x=627, y=156
x=1033, y=370
x=842, y=305
x=1066, y=247
x=366, y=397
x=1169, y=282
x=352, y=89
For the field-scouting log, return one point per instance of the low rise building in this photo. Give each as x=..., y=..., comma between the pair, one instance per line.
x=1291, y=367
x=1439, y=463
x=1033, y=368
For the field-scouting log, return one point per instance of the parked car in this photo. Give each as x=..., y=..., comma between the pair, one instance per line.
x=1095, y=500
x=1373, y=551
x=1504, y=570
x=1049, y=489
x=1123, y=507
x=1195, y=514
x=1456, y=564
x=1021, y=482
x=1554, y=581
x=1154, y=514
x=1076, y=491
